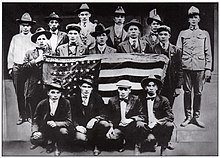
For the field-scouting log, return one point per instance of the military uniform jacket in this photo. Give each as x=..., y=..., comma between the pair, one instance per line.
x=62, y=116
x=174, y=75
x=111, y=39
x=196, y=49
x=107, y=50
x=134, y=109
x=64, y=51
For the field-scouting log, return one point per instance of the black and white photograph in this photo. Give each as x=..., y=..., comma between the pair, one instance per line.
x=115, y=78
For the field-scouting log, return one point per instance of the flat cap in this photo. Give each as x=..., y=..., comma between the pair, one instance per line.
x=163, y=28
x=124, y=83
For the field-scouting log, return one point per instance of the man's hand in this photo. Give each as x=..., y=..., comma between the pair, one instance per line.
x=207, y=75
x=37, y=135
x=110, y=133
x=177, y=92
x=81, y=129
x=40, y=58
x=125, y=122
x=10, y=72
x=91, y=123
x=141, y=124
x=51, y=124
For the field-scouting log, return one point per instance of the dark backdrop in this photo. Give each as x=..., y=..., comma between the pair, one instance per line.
x=173, y=14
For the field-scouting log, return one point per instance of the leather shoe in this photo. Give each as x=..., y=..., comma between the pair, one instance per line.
x=170, y=146
x=195, y=121
x=57, y=152
x=185, y=122
x=33, y=147
x=137, y=151
x=121, y=149
x=20, y=121
x=96, y=152
x=50, y=148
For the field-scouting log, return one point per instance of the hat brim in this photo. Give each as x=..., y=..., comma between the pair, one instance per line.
x=126, y=27
x=192, y=14
x=123, y=14
x=47, y=19
x=81, y=10
x=163, y=29
x=23, y=21
x=36, y=35
x=86, y=81
x=95, y=34
x=150, y=20
x=145, y=81
x=77, y=28
x=54, y=86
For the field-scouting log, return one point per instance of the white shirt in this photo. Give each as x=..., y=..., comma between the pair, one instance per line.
x=85, y=100
x=132, y=41
x=118, y=30
x=123, y=106
x=53, y=106
x=54, y=39
x=101, y=48
x=151, y=117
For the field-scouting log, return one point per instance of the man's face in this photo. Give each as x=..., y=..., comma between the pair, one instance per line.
x=101, y=39
x=133, y=31
x=73, y=36
x=53, y=25
x=151, y=88
x=25, y=28
x=154, y=25
x=124, y=92
x=119, y=19
x=42, y=41
x=54, y=94
x=86, y=89
x=164, y=36
x=194, y=20
x=84, y=16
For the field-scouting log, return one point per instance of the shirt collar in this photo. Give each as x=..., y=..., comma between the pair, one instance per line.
x=193, y=27
x=56, y=32
x=101, y=48
x=166, y=45
x=131, y=40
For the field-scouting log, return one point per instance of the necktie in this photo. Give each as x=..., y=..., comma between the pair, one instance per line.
x=150, y=98
x=123, y=99
x=84, y=99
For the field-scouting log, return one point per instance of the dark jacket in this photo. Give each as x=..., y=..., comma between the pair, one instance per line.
x=80, y=115
x=62, y=115
x=150, y=41
x=134, y=109
x=107, y=50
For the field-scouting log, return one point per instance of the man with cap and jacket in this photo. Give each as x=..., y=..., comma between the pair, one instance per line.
x=52, y=121
x=101, y=36
x=124, y=110
x=158, y=113
x=133, y=44
x=58, y=37
x=174, y=73
x=20, y=44
x=117, y=33
x=74, y=47
x=84, y=13
x=33, y=63
x=197, y=64
x=154, y=21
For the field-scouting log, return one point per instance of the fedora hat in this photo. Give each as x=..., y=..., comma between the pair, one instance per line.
x=55, y=84
x=83, y=7
x=134, y=22
x=164, y=28
x=119, y=11
x=39, y=32
x=153, y=16
x=53, y=16
x=154, y=78
x=99, y=29
x=124, y=83
x=73, y=27
x=26, y=18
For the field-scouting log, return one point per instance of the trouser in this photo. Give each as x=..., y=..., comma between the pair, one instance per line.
x=193, y=80
x=168, y=93
x=19, y=79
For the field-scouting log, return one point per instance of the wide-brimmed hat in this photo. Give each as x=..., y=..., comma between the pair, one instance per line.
x=26, y=18
x=153, y=16
x=164, y=28
x=134, y=22
x=193, y=11
x=124, y=83
x=119, y=11
x=53, y=16
x=153, y=78
x=39, y=32
x=83, y=7
x=73, y=27
x=54, y=85
x=86, y=80
x=99, y=29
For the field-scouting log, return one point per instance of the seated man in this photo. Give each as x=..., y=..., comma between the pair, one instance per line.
x=159, y=117
x=86, y=109
x=124, y=110
x=52, y=120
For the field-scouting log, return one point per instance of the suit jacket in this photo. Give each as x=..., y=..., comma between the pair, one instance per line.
x=125, y=47
x=174, y=75
x=79, y=114
x=63, y=50
x=111, y=39
x=62, y=38
x=62, y=116
x=161, y=108
x=150, y=41
x=107, y=50
x=134, y=109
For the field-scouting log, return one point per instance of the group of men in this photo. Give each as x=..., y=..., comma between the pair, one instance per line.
x=126, y=118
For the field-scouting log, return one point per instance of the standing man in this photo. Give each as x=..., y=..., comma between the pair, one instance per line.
x=117, y=33
x=154, y=21
x=125, y=110
x=133, y=44
x=159, y=115
x=101, y=36
x=74, y=47
x=84, y=13
x=58, y=37
x=197, y=64
x=174, y=74
x=19, y=45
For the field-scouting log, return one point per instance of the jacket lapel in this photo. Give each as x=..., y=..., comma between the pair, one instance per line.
x=126, y=46
x=112, y=34
x=156, y=102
